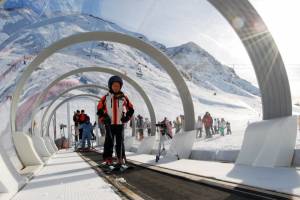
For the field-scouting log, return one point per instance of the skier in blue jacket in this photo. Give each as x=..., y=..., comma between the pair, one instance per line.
x=87, y=129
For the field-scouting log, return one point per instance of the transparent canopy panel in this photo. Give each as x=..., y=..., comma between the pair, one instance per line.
x=282, y=18
x=193, y=34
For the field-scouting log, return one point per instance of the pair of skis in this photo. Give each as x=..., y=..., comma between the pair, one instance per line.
x=115, y=168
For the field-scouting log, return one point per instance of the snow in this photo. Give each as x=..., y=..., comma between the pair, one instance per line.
x=155, y=81
x=236, y=99
x=284, y=180
x=75, y=180
x=211, y=74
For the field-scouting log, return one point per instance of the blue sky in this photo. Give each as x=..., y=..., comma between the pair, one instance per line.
x=173, y=22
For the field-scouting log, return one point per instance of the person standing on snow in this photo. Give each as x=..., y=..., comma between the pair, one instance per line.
x=207, y=121
x=140, y=126
x=177, y=125
x=147, y=126
x=228, y=128
x=82, y=119
x=114, y=110
x=219, y=125
x=164, y=127
x=199, y=127
x=87, y=130
x=216, y=126
x=222, y=126
x=76, y=124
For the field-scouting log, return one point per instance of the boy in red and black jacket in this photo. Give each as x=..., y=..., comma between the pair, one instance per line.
x=114, y=110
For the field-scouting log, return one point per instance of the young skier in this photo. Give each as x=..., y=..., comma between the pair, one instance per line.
x=87, y=129
x=164, y=129
x=228, y=128
x=76, y=125
x=82, y=119
x=199, y=127
x=216, y=130
x=140, y=127
x=222, y=127
x=147, y=126
x=114, y=110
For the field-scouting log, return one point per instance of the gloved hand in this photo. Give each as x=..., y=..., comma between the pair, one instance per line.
x=106, y=120
x=100, y=112
x=125, y=119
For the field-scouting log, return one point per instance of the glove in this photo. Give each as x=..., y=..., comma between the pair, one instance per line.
x=106, y=120
x=100, y=112
x=125, y=119
x=129, y=113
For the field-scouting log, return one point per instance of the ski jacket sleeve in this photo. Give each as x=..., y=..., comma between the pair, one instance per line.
x=129, y=107
x=101, y=109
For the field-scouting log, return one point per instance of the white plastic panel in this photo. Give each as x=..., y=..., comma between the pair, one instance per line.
x=40, y=146
x=26, y=149
x=182, y=144
x=49, y=145
x=11, y=181
x=269, y=143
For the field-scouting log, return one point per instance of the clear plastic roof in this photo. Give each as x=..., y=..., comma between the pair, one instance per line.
x=173, y=22
x=194, y=35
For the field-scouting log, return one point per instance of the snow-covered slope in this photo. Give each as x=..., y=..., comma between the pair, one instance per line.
x=12, y=21
x=214, y=87
x=203, y=69
x=194, y=63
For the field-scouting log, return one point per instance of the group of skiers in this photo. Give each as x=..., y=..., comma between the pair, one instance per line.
x=212, y=126
x=145, y=125
x=114, y=110
x=141, y=125
x=83, y=130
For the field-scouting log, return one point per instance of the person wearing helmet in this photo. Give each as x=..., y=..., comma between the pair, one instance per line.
x=114, y=110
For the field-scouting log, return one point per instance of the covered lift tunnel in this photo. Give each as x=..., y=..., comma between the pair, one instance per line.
x=38, y=169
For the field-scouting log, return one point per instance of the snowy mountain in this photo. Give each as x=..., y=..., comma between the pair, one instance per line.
x=202, y=68
x=12, y=21
x=46, y=8
x=194, y=63
x=212, y=85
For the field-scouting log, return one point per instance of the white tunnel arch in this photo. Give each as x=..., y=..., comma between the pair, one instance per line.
x=66, y=100
x=132, y=82
x=139, y=44
x=61, y=95
x=268, y=65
